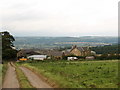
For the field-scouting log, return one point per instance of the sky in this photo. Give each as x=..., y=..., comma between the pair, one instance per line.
x=59, y=17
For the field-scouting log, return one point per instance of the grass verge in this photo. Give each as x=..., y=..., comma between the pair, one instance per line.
x=0, y=75
x=23, y=81
x=4, y=70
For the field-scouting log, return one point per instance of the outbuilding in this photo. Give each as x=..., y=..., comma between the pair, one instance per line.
x=37, y=57
x=90, y=58
x=72, y=58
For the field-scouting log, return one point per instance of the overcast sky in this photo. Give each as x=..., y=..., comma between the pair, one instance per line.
x=59, y=17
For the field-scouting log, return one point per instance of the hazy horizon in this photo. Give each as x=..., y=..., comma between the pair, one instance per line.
x=65, y=36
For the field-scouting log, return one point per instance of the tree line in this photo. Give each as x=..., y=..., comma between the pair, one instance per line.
x=108, y=49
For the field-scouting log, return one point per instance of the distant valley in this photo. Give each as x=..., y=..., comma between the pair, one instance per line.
x=56, y=42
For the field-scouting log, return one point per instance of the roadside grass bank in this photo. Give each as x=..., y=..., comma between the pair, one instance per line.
x=23, y=81
x=77, y=74
x=4, y=69
x=1, y=76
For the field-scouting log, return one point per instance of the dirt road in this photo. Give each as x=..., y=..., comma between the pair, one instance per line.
x=35, y=81
x=10, y=80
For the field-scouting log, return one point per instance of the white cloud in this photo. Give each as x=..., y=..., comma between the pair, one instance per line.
x=60, y=17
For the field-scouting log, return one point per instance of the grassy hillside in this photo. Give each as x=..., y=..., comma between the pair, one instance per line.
x=79, y=74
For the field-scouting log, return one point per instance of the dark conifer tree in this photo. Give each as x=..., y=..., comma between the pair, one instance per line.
x=7, y=46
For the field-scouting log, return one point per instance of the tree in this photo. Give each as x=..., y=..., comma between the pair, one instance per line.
x=7, y=46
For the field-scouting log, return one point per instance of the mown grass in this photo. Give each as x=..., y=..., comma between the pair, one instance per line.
x=78, y=74
x=23, y=81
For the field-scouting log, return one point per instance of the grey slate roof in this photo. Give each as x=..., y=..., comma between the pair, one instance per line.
x=50, y=52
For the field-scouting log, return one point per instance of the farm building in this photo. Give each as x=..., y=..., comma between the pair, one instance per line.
x=72, y=58
x=56, y=54
x=53, y=54
x=66, y=53
x=90, y=58
x=25, y=52
x=93, y=53
x=37, y=57
x=80, y=51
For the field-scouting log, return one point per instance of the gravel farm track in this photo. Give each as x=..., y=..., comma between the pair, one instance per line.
x=11, y=81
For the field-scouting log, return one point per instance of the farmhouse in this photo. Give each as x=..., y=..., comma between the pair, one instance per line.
x=80, y=51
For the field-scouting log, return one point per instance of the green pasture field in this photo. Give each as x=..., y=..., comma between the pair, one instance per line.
x=78, y=74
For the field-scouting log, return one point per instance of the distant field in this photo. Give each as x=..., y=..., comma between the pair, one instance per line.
x=79, y=74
